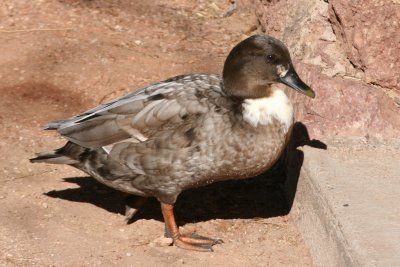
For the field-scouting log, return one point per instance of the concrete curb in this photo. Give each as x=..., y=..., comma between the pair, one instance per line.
x=345, y=214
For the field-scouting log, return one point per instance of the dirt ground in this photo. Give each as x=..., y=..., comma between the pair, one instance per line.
x=61, y=57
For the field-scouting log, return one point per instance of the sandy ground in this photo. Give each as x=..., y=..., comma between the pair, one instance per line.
x=61, y=57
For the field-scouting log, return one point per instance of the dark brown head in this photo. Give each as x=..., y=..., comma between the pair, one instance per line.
x=256, y=63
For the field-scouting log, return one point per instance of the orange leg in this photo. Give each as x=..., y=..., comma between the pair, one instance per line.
x=194, y=242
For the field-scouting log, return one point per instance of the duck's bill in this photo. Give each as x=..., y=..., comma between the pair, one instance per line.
x=293, y=80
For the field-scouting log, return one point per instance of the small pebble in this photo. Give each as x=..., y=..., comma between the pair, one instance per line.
x=118, y=28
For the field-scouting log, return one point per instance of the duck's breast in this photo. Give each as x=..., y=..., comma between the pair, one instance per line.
x=238, y=150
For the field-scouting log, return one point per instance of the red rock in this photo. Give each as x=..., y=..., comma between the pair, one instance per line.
x=347, y=51
x=369, y=31
x=344, y=107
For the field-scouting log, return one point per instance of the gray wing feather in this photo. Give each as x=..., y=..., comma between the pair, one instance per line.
x=132, y=115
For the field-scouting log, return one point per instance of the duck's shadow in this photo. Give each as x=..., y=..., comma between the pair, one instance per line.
x=260, y=197
x=257, y=197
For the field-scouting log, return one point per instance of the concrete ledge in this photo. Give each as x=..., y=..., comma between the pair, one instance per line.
x=347, y=203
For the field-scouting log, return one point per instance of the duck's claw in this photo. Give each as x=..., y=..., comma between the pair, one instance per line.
x=132, y=206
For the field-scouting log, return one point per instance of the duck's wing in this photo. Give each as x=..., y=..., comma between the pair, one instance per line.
x=139, y=114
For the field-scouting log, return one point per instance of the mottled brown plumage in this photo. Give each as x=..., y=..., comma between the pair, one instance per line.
x=187, y=131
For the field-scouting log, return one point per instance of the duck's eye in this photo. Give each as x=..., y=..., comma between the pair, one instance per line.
x=271, y=58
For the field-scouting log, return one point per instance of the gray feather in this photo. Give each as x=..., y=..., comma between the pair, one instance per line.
x=137, y=115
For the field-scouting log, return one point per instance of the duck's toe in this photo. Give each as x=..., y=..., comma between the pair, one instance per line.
x=203, y=239
x=196, y=242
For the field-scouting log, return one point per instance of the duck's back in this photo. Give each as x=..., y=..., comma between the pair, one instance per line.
x=139, y=115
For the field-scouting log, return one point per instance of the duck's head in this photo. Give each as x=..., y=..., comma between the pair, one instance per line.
x=256, y=63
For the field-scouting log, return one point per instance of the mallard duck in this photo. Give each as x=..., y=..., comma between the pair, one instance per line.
x=188, y=131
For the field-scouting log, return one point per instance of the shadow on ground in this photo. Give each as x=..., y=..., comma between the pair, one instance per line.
x=268, y=195
x=251, y=198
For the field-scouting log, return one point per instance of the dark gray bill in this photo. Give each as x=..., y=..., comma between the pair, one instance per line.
x=292, y=79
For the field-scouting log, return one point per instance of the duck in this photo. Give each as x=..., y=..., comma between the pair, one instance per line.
x=188, y=131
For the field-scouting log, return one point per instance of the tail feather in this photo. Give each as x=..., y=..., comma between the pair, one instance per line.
x=69, y=154
x=53, y=125
x=52, y=157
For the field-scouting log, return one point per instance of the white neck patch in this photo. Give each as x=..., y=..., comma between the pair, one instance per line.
x=263, y=110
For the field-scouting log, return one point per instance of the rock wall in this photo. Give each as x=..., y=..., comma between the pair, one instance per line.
x=349, y=53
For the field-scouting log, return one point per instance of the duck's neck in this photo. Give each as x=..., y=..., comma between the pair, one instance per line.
x=243, y=87
x=263, y=111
